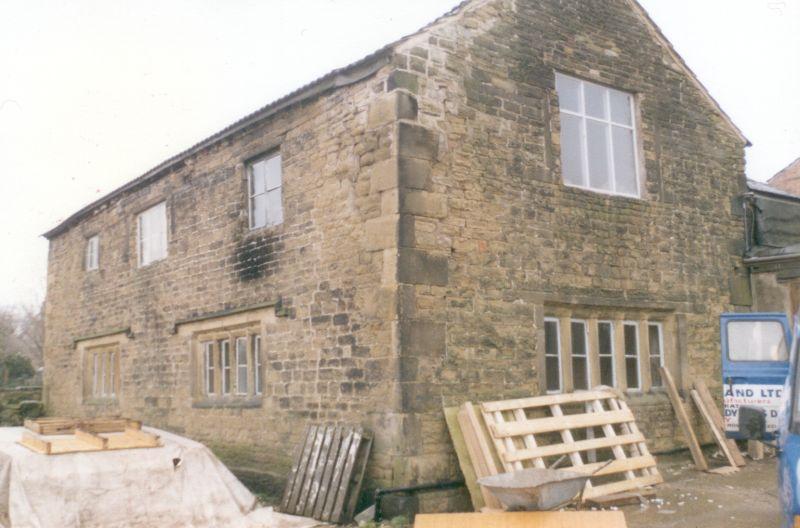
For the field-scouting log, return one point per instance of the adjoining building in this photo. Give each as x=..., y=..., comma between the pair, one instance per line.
x=525, y=196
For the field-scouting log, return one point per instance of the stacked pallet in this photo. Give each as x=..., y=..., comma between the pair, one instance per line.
x=54, y=436
x=580, y=432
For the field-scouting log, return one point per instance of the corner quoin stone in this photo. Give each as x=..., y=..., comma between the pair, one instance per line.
x=390, y=108
x=415, y=266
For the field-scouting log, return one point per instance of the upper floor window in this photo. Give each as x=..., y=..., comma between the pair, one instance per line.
x=598, y=137
x=264, y=191
x=93, y=253
x=152, y=234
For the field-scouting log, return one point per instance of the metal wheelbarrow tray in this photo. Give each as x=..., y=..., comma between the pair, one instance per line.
x=535, y=489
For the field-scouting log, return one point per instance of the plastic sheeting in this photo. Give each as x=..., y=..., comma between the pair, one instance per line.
x=181, y=484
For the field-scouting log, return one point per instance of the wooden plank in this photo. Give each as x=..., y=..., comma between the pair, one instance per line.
x=297, y=482
x=719, y=422
x=290, y=481
x=309, y=472
x=546, y=401
x=608, y=431
x=587, y=519
x=719, y=437
x=463, y=456
x=60, y=426
x=622, y=485
x=479, y=450
x=617, y=466
x=132, y=439
x=338, y=471
x=567, y=438
x=622, y=499
x=547, y=425
x=325, y=484
x=580, y=445
x=350, y=462
x=358, y=478
x=724, y=470
x=90, y=438
x=683, y=419
x=319, y=470
x=35, y=444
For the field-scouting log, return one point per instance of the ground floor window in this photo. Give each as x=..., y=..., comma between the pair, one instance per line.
x=580, y=353
x=237, y=357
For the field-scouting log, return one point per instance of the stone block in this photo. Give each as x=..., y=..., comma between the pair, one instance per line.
x=403, y=79
x=423, y=203
x=391, y=107
x=416, y=141
x=422, y=338
x=415, y=266
x=414, y=173
x=384, y=176
x=381, y=232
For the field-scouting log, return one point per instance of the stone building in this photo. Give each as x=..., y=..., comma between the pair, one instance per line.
x=788, y=179
x=523, y=196
x=772, y=252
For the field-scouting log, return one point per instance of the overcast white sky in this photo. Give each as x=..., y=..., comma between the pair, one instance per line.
x=95, y=93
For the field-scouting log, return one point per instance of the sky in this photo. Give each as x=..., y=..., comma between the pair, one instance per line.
x=94, y=93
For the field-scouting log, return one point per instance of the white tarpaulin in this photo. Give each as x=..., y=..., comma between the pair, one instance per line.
x=181, y=484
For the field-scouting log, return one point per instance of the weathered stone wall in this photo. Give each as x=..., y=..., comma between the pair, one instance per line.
x=329, y=353
x=519, y=244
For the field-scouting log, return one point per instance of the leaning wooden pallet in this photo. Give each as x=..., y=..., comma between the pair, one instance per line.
x=325, y=479
x=522, y=432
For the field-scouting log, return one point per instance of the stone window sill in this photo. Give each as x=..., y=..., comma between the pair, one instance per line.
x=107, y=402
x=228, y=402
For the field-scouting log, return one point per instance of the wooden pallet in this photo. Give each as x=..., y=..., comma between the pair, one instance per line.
x=585, y=428
x=60, y=426
x=82, y=441
x=325, y=480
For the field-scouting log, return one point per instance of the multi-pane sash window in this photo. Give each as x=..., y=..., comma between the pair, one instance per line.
x=631, y=335
x=225, y=358
x=605, y=352
x=598, y=137
x=656, y=342
x=264, y=191
x=208, y=367
x=152, y=234
x=580, y=355
x=229, y=364
x=257, y=370
x=93, y=253
x=241, y=365
x=552, y=355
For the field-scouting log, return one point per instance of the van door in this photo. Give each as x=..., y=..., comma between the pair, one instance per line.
x=755, y=363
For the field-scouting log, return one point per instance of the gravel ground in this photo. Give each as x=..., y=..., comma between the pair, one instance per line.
x=689, y=498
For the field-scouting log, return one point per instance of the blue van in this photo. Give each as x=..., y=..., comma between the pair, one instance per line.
x=759, y=376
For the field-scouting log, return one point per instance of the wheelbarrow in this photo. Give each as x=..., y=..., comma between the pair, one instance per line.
x=536, y=489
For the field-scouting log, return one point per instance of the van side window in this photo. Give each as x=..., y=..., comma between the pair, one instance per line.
x=756, y=341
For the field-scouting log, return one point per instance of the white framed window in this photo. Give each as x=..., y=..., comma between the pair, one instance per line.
x=241, y=365
x=605, y=352
x=655, y=336
x=552, y=355
x=93, y=253
x=580, y=355
x=631, y=340
x=598, y=137
x=208, y=367
x=152, y=234
x=264, y=189
x=225, y=359
x=257, y=369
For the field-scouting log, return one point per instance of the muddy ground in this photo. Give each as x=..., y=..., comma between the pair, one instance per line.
x=689, y=498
